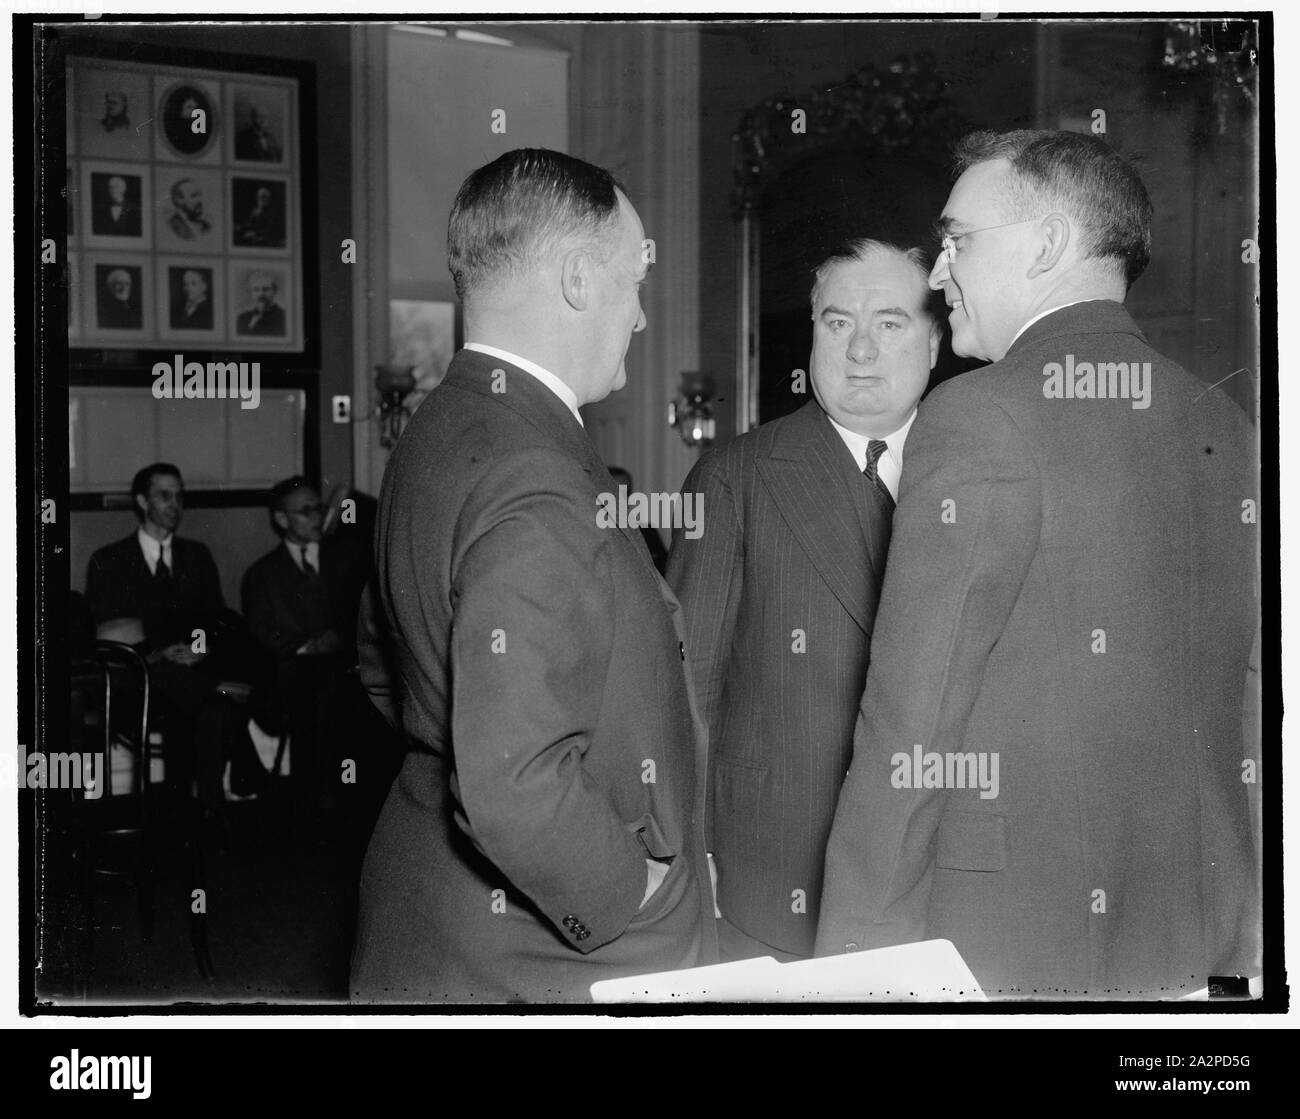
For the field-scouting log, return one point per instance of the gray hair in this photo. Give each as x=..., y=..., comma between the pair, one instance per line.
x=1081, y=175
x=511, y=212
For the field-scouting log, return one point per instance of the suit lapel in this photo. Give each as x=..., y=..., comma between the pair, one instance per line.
x=814, y=482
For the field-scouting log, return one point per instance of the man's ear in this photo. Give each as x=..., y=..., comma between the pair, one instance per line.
x=575, y=278
x=1053, y=239
x=281, y=518
x=936, y=338
x=142, y=503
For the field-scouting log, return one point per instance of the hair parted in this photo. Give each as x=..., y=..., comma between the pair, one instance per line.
x=1080, y=175
x=509, y=213
x=861, y=250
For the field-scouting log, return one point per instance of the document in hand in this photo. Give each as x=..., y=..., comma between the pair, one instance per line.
x=930, y=971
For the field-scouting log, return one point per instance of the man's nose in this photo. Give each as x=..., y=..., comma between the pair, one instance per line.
x=939, y=273
x=862, y=346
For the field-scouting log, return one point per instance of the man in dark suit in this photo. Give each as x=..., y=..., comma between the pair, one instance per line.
x=191, y=308
x=114, y=213
x=544, y=832
x=155, y=589
x=266, y=316
x=255, y=140
x=301, y=603
x=1047, y=764
x=118, y=304
x=780, y=591
x=263, y=224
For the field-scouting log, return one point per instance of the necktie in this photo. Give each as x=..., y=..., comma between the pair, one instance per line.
x=307, y=565
x=162, y=572
x=876, y=448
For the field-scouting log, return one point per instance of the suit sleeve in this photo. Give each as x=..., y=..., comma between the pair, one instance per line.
x=213, y=601
x=257, y=599
x=533, y=612
x=965, y=531
x=706, y=574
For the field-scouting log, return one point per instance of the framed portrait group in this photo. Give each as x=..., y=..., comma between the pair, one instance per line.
x=184, y=208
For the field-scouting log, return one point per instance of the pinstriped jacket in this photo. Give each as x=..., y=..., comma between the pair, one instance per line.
x=780, y=597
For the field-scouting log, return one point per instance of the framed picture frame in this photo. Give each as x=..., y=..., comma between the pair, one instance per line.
x=191, y=180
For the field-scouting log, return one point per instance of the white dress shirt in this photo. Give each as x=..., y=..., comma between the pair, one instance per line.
x=312, y=548
x=152, y=549
x=890, y=465
x=549, y=379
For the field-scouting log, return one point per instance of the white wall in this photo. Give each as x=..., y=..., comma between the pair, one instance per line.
x=441, y=96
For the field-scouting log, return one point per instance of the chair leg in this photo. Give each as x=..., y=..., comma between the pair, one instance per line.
x=199, y=921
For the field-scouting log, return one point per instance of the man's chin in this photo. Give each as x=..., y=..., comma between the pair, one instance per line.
x=967, y=347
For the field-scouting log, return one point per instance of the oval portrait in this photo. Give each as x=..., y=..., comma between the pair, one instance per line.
x=189, y=120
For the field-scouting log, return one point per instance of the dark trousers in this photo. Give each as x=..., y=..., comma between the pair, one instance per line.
x=344, y=756
x=317, y=695
x=202, y=730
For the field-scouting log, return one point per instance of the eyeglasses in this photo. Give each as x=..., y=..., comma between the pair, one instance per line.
x=948, y=241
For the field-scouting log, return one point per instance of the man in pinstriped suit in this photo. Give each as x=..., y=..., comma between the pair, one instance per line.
x=780, y=592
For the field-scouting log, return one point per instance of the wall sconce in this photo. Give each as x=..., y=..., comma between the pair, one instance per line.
x=691, y=413
x=394, y=383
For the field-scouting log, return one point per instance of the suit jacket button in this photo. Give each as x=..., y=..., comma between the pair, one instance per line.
x=582, y=934
x=850, y=947
x=570, y=922
x=681, y=648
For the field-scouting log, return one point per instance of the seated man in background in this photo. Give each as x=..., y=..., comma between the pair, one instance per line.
x=301, y=601
x=162, y=593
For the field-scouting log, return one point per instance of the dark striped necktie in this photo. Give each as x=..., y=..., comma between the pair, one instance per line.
x=876, y=448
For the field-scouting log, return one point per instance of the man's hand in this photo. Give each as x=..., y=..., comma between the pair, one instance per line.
x=656, y=872
x=180, y=653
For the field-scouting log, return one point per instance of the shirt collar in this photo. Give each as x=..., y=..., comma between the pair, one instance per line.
x=152, y=548
x=1049, y=311
x=890, y=466
x=312, y=548
x=549, y=379
x=894, y=441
